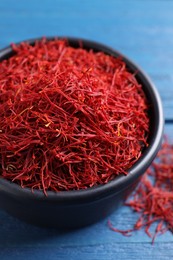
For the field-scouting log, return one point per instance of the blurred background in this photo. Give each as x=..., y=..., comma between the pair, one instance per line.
x=143, y=31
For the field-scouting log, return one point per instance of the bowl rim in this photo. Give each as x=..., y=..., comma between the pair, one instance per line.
x=121, y=182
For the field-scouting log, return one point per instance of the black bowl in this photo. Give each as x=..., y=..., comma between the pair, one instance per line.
x=70, y=209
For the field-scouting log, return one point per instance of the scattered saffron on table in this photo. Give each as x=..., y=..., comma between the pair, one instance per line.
x=153, y=198
x=70, y=118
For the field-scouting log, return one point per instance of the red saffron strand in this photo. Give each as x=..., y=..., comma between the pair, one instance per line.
x=153, y=198
x=69, y=118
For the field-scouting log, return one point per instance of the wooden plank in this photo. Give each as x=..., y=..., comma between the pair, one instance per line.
x=143, y=31
x=96, y=241
x=140, y=30
x=109, y=252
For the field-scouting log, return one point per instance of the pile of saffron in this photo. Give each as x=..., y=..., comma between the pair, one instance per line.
x=70, y=118
x=153, y=198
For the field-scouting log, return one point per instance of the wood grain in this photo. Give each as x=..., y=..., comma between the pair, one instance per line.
x=142, y=30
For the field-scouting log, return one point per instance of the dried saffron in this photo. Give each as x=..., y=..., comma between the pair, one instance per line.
x=70, y=118
x=153, y=198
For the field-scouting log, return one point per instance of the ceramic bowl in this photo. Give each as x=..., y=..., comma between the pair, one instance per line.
x=71, y=209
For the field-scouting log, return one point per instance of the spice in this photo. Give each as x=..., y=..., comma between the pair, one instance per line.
x=153, y=198
x=70, y=118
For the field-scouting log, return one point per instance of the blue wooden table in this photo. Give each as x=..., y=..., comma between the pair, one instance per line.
x=142, y=30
